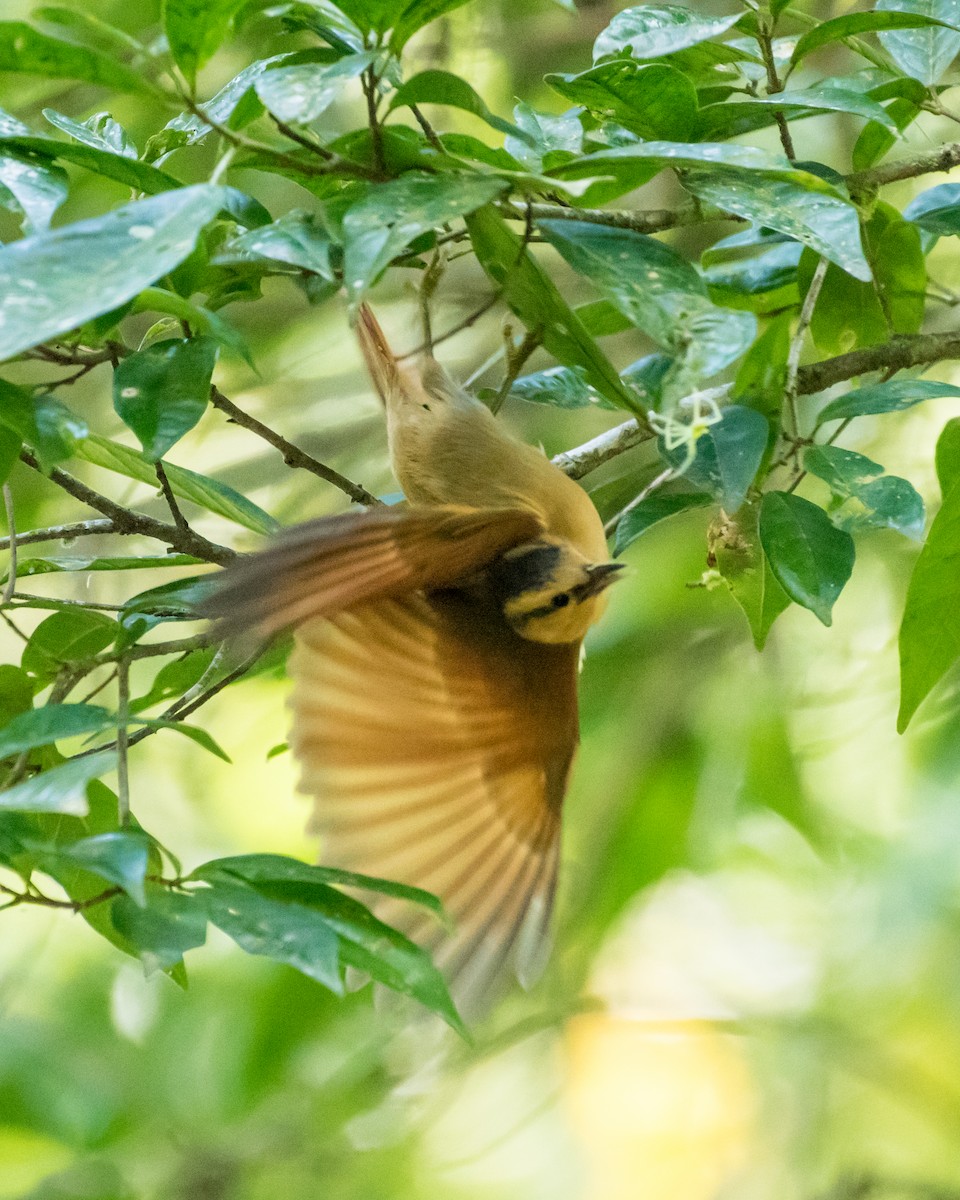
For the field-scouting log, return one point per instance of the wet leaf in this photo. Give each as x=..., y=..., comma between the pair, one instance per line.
x=810, y=557
x=62, y=789
x=870, y=499
x=161, y=392
x=650, y=512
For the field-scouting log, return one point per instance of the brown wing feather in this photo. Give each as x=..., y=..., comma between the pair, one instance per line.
x=323, y=566
x=437, y=746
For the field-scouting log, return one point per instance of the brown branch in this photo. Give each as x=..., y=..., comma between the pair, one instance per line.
x=293, y=456
x=178, y=518
x=653, y=220
x=945, y=158
x=56, y=533
x=126, y=521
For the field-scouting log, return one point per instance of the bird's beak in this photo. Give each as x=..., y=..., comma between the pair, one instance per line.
x=601, y=575
x=379, y=357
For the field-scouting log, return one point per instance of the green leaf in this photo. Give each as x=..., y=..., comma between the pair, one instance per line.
x=388, y=218
x=562, y=387
x=193, y=733
x=195, y=29
x=893, y=396
x=27, y=567
x=655, y=101
x=852, y=24
x=875, y=140
x=32, y=188
x=121, y=858
x=10, y=446
x=414, y=15
x=296, y=238
x=128, y=171
x=869, y=502
x=762, y=375
x=198, y=318
x=62, y=789
x=762, y=187
x=64, y=637
x=900, y=271
x=82, y=270
x=926, y=53
x=769, y=271
x=174, y=678
x=163, y=391
x=290, y=933
x=16, y=693
x=948, y=455
x=728, y=119
x=25, y=49
x=160, y=933
x=653, y=30
x=533, y=296
x=300, y=93
x=88, y=27
x=930, y=631
x=279, y=868
x=43, y=726
x=728, y=455
x=100, y=131
x=440, y=87
x=550, y=139
x=810, y=557
x=658, y=290
x=211, y=494
x=735, y=545
x=937, y=210
x=652, y=510
x=43, y=421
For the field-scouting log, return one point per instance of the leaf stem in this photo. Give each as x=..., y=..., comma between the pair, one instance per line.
x=11, y=585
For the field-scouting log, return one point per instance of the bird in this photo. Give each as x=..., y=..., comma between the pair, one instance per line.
x=437, y=648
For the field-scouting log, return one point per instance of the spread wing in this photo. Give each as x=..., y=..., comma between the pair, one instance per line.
x=437, y=745
x=323, y=566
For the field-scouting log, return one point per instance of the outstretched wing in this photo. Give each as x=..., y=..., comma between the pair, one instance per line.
x=437, y=745
x=323, y=566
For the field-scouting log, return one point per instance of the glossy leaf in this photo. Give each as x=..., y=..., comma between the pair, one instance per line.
x=653, y=30
x=927, y=53
x=193, y=733
x=728, y=455
x=948, y=455
x=195, y=29
x=930, y=631
x=10, y=446
x=279, y=868
x=121, y=858
x=64, y=637
x=302, y=92
x=869, y=499
x=562, y=387
x=82, y=270
x=62, y=789
x=535, y=299
x=414, y=15
x=100, y=131
x=893, y=396
x=35, y=189
x=27, y=50
x=853, y=24
x=440, y=87
x=27, y=567
x=43, y=422
x=43, y=726
x=657, y=289
x=161, y=392
x=810, y=557
x=382, y=224
x=208, y=493
x=295, y=238
x=290, y=933
x=549, y=138
x=728, y=119
x=128, y=171
x=762, y=375
x=735, y=545
x=654, y=101
x=937, y=209
x=650, y=512
x=160, y=933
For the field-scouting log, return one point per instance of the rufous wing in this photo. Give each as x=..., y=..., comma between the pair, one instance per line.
x=323, y=566
x=437, y=744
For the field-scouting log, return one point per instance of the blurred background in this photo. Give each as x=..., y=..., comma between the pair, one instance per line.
x=755, y=986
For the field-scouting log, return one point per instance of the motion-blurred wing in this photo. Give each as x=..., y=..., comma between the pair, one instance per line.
x=437, y=746
x=329, y=564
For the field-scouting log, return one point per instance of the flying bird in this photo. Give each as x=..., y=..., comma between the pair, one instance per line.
x=435, y=666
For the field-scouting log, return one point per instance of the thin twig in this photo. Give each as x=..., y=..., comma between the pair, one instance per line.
x=428, y=131
x=475, y=316
x=65, y=533
x=796, y=346
x=11, y=585
x=369, y=82
x=657, y=482
x=178, y=518
x=302, y=140
x=293, y=456
x=123, y=717
x=765, y=41
x=515, y=360
x=642, y=221
x=125, y=520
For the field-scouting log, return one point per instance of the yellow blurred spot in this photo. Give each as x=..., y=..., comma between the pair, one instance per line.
x=26, y=1159
x=661, y=1110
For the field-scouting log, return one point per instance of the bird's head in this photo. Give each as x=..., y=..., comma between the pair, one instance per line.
x=548, y=591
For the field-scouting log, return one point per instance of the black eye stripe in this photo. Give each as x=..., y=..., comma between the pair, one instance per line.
x=561, y=601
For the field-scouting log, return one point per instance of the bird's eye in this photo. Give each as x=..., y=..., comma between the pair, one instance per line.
x=561, y=601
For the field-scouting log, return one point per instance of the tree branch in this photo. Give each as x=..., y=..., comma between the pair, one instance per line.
x=125, y=520
x=56, y=533
x=945, y=158
x=653, y=220
x=293, y=456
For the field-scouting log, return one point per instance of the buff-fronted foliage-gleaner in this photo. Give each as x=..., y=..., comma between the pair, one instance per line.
x=437, y=649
